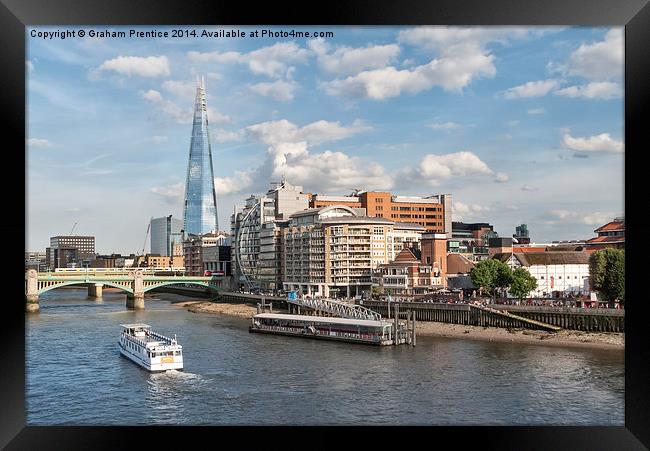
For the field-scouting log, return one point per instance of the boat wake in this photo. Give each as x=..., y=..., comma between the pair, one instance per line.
x=172, y=375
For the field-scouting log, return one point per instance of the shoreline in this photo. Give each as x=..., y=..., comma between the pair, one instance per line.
x=563, y=338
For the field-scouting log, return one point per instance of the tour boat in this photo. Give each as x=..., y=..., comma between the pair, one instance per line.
x=150, y=350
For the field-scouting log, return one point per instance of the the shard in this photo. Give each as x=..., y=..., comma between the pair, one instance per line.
x=200, y=211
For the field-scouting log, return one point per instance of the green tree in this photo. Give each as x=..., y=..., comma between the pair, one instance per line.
x=377, y=291
x=491, y=275
x=607, y=274
x=522, y=283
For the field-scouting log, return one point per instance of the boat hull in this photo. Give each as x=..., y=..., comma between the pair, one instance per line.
x=150, y=366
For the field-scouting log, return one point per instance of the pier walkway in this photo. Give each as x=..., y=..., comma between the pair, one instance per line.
x=337, y=308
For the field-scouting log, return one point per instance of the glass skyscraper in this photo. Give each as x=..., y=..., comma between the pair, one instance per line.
x=200, y=211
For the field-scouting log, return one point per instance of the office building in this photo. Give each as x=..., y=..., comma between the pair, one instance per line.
x=200, y=209
x=70, y=251
x=431, y=212
x=166, y=236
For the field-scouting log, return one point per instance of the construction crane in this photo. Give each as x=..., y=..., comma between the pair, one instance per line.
x=146, y=236
x=72, y=230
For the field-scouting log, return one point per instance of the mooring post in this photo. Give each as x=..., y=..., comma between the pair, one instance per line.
x=413, y=340
x=396, y=307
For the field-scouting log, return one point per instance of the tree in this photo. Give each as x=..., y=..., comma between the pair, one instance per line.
x=607, y=274
x=491, y=274
x=522, y=283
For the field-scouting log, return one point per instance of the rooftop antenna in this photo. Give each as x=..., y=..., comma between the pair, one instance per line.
x=72, y=230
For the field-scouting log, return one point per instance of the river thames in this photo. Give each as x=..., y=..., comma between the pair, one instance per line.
x=76, y=376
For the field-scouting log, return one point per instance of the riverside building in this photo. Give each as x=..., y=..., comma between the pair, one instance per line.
x=406, y=275
x=331, y=251
x=257, y=250
x=200, y=209
x=431, y=212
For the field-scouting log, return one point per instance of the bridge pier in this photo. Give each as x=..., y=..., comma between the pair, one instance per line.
x=31, y=303
x=95, y=290
x=135, y=301
x=31, y=291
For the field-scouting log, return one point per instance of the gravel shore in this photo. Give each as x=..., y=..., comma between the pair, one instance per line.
x=565, y=338
x=230, y=309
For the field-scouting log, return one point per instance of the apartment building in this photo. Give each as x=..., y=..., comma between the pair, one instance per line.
x=331, y=251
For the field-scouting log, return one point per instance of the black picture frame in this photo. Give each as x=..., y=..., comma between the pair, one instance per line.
x=15, y=15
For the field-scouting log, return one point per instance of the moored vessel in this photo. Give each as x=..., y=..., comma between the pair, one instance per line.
x=331, y=328
x=150, y=350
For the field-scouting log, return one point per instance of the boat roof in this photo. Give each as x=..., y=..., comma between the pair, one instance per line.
x=323, y=319
x=136, y=326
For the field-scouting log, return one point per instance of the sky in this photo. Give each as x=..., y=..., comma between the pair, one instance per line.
x=519, y=124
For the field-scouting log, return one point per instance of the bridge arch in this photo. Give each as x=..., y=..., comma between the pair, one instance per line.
x=81, y=282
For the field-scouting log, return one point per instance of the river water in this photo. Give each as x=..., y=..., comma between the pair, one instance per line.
x=76, y=376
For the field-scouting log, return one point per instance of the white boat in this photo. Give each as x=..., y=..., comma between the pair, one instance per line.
x=150, y=350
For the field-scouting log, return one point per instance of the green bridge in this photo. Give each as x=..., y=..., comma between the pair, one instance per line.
x=135, y=283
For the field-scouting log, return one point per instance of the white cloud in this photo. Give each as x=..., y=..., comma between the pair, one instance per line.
x=599, y=61
x=536, y=111
x=597, y=143
x=452, y=74
x=531, y=89
x=283, y=131
x=279, y=90
x=172, y=194
x=159, y=139
x=594, y=90
x=349, y=61
x=450, y=39
x=444, y=126
x=38, y=142
x=150, y=66
x=513, y=123
x=228, y=185
x=574, y=217
x=460, y=57
x=273, y=61
x=180, y=89
x=436, y=168
x=501, y=177
x=289, y=155
x=529, y=188
x=222, y=136
x=30, y=65
x=468, y=212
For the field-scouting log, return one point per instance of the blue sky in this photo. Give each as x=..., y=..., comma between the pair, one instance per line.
x=518, y=124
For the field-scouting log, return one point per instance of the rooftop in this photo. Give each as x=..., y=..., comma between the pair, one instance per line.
x=547, y=258
x=612, y=226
